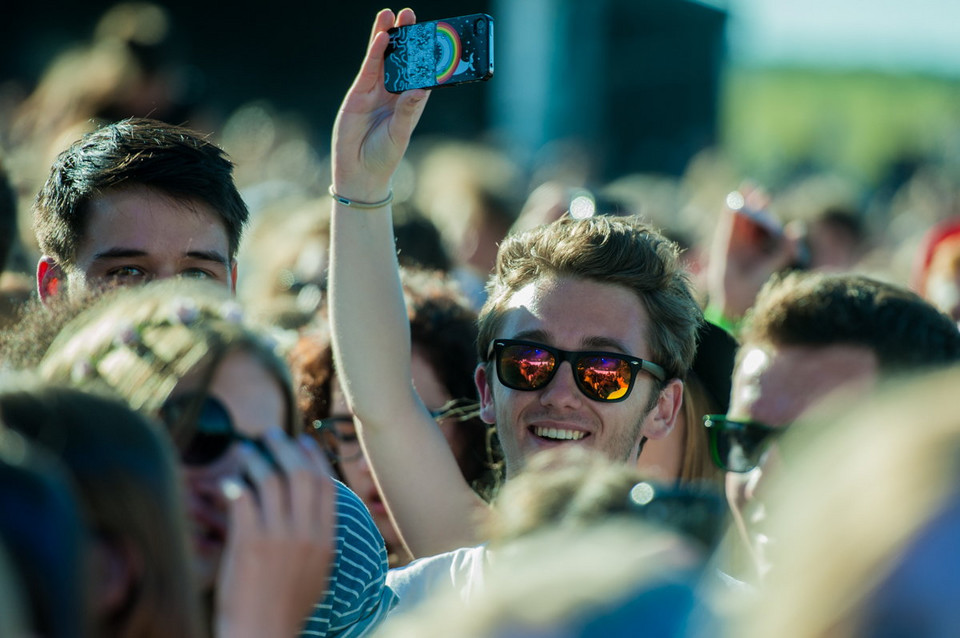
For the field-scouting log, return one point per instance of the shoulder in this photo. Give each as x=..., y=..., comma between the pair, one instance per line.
x=356, y=530
x=357, y=598
x=460, y=570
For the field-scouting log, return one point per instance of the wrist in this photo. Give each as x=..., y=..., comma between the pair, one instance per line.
x=360, y=188
x=354, y=194
x=363, y=205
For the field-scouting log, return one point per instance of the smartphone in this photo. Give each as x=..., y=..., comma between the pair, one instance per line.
x=765, y=231
x=439, y=53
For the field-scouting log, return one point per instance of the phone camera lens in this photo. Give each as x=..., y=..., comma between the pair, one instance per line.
x=480, y=26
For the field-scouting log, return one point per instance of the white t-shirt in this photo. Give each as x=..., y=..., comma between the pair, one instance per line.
x=460, y=571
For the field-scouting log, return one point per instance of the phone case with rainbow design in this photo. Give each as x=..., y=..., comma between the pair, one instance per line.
x=439, y=53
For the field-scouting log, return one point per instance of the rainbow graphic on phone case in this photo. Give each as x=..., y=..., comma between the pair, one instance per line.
x=439, y=53
x=448, y=51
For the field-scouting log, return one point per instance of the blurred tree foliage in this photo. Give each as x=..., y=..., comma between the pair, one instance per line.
x=777, y=122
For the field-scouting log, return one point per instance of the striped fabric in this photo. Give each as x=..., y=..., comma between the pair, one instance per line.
x=358, y=598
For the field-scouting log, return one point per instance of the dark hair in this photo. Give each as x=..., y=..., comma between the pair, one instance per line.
x=124, y=470
x=819, y=310
x=443, y=328
x=419, y=244
x=42, y=530
x=134, y=152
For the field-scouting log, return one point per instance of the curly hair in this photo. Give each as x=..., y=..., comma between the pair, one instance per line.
x=623, y=251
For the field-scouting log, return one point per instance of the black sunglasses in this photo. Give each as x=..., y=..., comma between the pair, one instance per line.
x=738, y=446
x=601, y=376
x=202, y=439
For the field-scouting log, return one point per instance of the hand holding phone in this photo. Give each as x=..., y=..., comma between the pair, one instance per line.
x=373, y=126
x=749, y=245
x=439, y=53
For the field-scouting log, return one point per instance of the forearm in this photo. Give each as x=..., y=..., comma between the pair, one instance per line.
x=433, y=506
x=371, y=334
x=409, y=456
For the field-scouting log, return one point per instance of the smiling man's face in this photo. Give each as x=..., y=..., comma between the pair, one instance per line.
x=576, y=314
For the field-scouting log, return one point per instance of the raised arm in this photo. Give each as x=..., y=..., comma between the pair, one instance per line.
x=432, y=504
x=748, y=247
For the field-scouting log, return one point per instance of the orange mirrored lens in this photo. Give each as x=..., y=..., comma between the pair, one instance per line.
x=605, y=378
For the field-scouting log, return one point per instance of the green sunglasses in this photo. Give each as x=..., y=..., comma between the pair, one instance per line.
x=738, y=446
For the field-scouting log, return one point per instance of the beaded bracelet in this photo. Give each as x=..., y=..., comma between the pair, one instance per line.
x=363, y=205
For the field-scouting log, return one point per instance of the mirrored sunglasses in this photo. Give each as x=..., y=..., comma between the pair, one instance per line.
x=738, y=446
x=601, y=376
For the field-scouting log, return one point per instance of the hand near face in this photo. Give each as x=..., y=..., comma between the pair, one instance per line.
x=749, y=246
x=281, y=540
x=373, y=126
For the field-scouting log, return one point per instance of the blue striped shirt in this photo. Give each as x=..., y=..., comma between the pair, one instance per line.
x=357, y=598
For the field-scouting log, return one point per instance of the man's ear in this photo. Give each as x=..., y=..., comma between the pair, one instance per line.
x=659, y=423
x=488, y=412
x=233, y=276
x=50, y=278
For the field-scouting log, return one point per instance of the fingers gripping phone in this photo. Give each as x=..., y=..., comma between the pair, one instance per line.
x=439, y=53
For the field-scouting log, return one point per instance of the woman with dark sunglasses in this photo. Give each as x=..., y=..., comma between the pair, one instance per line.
x=275, y=540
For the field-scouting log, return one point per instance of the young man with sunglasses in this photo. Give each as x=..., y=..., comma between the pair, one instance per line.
x=589, y=327
x=808, y=337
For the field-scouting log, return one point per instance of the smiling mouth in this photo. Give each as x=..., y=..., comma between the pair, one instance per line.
x=557, y=434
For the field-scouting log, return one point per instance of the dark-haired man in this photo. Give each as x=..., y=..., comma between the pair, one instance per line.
x=138, y=200
x=809, y=336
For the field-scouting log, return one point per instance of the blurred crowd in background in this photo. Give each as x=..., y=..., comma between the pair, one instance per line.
x=456, y=200
x=874, y=219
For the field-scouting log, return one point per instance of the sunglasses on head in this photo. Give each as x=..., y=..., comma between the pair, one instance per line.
x=203, y=439
x=601, y=376
x=738, y=446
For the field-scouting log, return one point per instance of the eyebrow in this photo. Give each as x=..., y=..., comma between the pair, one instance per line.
x=588, y=342
x=127, y=253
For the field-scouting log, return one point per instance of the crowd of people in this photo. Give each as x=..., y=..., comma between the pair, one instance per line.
x=401, y=391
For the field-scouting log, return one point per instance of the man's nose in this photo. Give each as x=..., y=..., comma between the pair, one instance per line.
x=562, y=391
